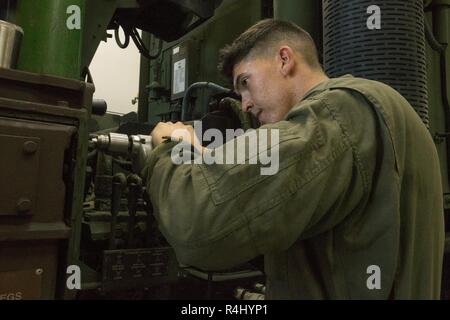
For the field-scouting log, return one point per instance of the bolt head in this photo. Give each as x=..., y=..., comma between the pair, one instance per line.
x=23, y=205
x=30, y=147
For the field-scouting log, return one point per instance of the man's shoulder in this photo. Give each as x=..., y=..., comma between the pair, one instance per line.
x=334, y=92
x=363, y=85
x=349, y=89
x=346, y=107
x=338, y=86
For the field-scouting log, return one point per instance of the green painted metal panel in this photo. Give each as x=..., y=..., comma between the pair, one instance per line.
x=98, y=14
x=49, y=46
x=203, y=45
x=438, y=18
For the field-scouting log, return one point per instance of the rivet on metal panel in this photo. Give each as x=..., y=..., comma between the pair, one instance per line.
x=30, y=147
x=23, y=205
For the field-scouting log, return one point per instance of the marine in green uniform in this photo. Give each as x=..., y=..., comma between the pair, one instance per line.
x=355, y=210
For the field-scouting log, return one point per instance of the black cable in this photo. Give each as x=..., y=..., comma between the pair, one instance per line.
x=117, y=37
x=86, y=75
x=432, y=41
x=131, y=32
x=134, y=34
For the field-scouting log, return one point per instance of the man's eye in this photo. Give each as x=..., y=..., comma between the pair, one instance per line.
x=244, y=82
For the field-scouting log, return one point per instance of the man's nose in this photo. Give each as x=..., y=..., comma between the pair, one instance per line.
x=247, y=104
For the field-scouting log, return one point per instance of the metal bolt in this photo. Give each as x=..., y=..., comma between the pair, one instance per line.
x=23, y=205
x=39, y=272
x=30, y=147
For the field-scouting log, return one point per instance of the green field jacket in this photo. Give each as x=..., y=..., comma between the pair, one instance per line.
x=355, y=210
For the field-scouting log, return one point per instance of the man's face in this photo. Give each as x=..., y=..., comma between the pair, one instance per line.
x=264, y=90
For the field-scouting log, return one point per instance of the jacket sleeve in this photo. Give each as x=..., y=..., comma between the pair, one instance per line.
x=219, y=215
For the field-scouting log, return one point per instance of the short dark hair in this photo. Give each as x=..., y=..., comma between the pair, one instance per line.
x=260, y=40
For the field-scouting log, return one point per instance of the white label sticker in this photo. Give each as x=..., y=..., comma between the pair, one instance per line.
x=179, y=76
x=176, y=50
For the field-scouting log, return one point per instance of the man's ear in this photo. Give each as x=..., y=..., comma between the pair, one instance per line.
x=287, y=60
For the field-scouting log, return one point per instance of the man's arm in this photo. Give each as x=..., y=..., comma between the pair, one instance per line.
x=217, y=216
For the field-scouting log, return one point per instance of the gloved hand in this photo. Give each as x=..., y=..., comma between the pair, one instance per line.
x=180, y=131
